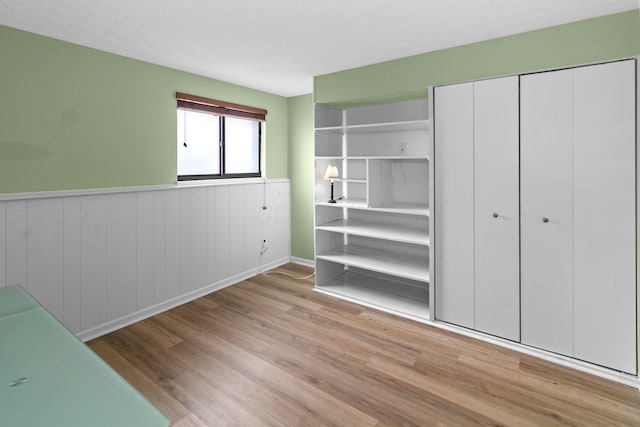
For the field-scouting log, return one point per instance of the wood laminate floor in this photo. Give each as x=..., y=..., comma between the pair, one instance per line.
x=270, y=351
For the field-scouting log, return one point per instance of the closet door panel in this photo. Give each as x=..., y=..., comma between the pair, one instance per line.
x=453, y=116
x=604, y=215
x=546, y=211
x=496, y=177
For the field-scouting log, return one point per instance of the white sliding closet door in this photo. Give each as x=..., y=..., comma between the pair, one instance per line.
x=497, y=230
x=546, y=177
x=453, y=115
x=604, y=215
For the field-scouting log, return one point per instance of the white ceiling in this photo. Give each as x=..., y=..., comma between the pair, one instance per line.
x=278, y=46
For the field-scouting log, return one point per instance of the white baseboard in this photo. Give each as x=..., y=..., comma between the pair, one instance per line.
x=303, y=261
x=599, y=371
x=127, y=320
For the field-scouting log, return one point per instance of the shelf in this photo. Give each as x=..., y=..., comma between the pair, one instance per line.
x=398, y=208
x=360, y=181
x=401, y=126
x=379, y=231
x=412, y=125
x=403, y=208
x=378, y=292
x=346, y=203
x=385, y=158
x=400, y=265
x=372, y=157
x=333, y=129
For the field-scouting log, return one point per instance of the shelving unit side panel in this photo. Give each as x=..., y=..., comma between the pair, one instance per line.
x=430, y=196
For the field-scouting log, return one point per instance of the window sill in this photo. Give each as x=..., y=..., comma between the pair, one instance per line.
x=220, y=181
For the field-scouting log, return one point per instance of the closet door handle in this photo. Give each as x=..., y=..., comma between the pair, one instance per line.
x=545, y=219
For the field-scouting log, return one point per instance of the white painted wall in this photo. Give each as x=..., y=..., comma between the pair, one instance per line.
x=99, y=260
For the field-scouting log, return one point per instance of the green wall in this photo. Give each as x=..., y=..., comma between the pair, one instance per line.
x=593, y=40
x=301, y=165
x=73, y=117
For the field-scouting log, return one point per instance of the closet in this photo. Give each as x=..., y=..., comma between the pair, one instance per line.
x=535, y=210
x=476, y=203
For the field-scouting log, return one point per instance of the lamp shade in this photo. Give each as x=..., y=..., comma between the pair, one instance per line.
x=332, y=172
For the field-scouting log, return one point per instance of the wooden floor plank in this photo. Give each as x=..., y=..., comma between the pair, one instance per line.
x=171, y=408
x=269, y=351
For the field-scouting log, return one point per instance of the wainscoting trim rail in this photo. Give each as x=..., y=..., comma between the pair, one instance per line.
x=134, y=189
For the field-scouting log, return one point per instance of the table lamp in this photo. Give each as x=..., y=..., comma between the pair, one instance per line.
x=331, y=173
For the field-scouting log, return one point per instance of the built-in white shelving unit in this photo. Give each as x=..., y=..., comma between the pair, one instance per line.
x=373, y=243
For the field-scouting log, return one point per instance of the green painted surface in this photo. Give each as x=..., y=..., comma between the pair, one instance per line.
x=73, y=117
x=301, y=166
x=593, y=40
x=64, y=382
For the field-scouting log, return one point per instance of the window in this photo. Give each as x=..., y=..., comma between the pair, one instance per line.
x=217, y=139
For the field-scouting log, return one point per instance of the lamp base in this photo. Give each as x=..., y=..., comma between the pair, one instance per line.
x=331, y=200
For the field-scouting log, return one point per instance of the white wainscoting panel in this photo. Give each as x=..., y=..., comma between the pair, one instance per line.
x=16, y=241
x=45, y=261
x=222, y=232
x=93, y=261
x=121, y=255
x=172, y=249
x=159, y=248
x=3, y=247
x=145, y=268
x=98, y=262
x=72, y=286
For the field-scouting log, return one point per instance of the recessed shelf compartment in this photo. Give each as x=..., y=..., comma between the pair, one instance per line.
x=354, y=169
x=398, y=182
x=397, y=208
x=379, y=291
x=381, y=261
x=363, y=228
x=393, y=258
x=328, y=144
x=387, y=144
x=413, y=230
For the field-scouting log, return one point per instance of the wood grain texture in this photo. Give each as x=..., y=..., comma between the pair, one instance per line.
x=269, y=351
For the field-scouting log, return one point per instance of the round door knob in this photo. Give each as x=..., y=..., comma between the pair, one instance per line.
x=495, y=215
x=545, y=220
